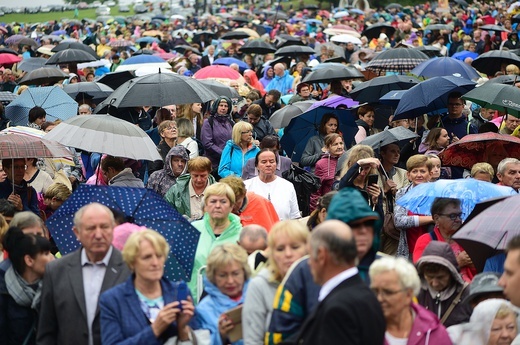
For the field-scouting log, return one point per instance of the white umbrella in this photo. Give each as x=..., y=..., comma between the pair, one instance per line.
x=341, y=14
x=133, y=67
x=346, y=38
x=178, y=16
x=105, y=134
x=145, y=70
x=98, y=63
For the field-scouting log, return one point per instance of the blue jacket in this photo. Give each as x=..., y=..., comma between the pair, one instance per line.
x=233, y=160
x=124, y=322
x=282, y=84
x=212, y=306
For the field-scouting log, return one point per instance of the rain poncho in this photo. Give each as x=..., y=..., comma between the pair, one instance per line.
x=162, y=180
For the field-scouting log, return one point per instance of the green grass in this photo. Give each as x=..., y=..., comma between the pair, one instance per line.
x=45, y=17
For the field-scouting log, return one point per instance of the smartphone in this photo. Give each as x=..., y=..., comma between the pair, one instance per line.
x=182, y=293
x=372, y=179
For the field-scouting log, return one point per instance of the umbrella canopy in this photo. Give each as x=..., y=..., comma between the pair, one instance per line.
x=431, y=51
x=26, y=41
x=462, y=55
x=70, y=56
x=159, y=90
x=116, y=79
x=145, y=70
x=305, y=126
x=31, y=64
x=494, y=61
x=228, y=61
x=331, y=73
x=14, y=146
x=393, y=6
x=282, y=117
x=74, y=45
x=397, y=60
x=57, y=105
x=220, y=88
x=120, y=43
x=7, y=97
x=346, y=38
x=483, y=147
x=334, y=102
x=217, y=72
x=105, y=134
x=294, y=51
x=97, y=91
x=147, y=39
x=371, y=91
x=331, y=48
x=419, y=199
x=141, y=206
x=492, y=27
x=9, y=59
x=257, y=47
x=430, y=96
x=392, y=98
x=13, y=39
x=8, y=51
x=373, y=31
x=135, y=62
x=341, y=30
x=504, y=79
x=234, y=35
x=433, y=27
x=252, y=33
x=445, y=66
x=496, y=96
x=389, y=136
x=43, y=76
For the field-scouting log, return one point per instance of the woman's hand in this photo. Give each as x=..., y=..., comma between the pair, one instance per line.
x=373, y=162
x=165, y=318
x=224, y=326
x=390, y=186
x=374, y=192
x=464, y=260
x=184, y=318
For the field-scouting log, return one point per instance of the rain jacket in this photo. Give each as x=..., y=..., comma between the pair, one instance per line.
x=325, y=169
x=255, y=83
x=208, y=241
x=438, y=302
x=282, y=84
x=162, y=180
x=258, y=210
x=312, y=152
x=126, y=178
x=262, y=129
x=163, y=148
x=265, y=80
x=233, y=160
x=212, y=306
x=179, y=194
x=215, y=137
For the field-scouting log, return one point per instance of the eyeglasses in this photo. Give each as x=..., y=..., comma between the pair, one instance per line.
x=247, y=132
x=385, y=293
x=452, y=216
x=455, y=104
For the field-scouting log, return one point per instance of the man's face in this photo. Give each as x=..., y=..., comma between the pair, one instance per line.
x=178, y=164
x=252, y=119
x=487, y=113
x=512, y=122
x=95, y=232
x=269, y=100
x=350, y=46
x=18, y=168
x=455, y=107
x=278, y=70
x=510, y=279
x=511, y=176
x=211, y=50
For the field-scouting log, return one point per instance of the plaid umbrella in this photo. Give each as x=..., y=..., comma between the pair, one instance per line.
x=14, y=146
x=141, y=206
x=121, y=43
x=398, y=60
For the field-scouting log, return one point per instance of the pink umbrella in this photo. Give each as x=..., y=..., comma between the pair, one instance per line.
x=9, y=59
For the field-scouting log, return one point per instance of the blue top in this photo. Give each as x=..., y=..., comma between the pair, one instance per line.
x=233, y=160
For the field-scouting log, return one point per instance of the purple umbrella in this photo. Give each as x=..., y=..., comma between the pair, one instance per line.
x=334, y=102
x=14, y=39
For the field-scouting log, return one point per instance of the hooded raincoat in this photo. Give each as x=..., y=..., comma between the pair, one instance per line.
x=179, y=194
x=215, y=133
x=162, y=180
x=282, y=84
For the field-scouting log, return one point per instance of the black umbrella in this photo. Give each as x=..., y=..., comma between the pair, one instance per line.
x=509, y=79
x=492, y=27
x=8, y=51
x=7, y=97
x=219, y=88
x=283, y=44
x=158, y=90
x=370, y=91
x=282, y=117
x=182, y=49
x=515, y=18
x=116, y=79
x=373, y=31
x=462, y=3
x=337, y=59
x=398, y=60
x=240, y=19
x=282, y=59
x=234, y=35
x=96, y=90
x=28, y=42
x=257, y=46
x=389, y=136
x=294, y=51
x=431, y=51
x=43, y=76
x=494, y=61
x=31, y=64
x=332, y=73
x=70, y=56
x=74, y=45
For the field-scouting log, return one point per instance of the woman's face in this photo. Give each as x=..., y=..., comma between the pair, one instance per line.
x=218, y=206
x=337, y=148
x=286, y=251
x=444, y=139
x=246, y=136
x=196, y=107
x=389, y=292
x=419, y=175
x=170, y=132
x=503, y=331
x=368, y=118
x=148, y=265
x=482, y=176
x=39, y=262
x=436, y=170
x=223, y=108
x=230, y=279
x=266, y=163
x=331, y=126
x=391, y=154
x=270, y=72
x=39, y=121
x=438, y=280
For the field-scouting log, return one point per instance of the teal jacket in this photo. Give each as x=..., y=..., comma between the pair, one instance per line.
x=233, y=159
x=179, y=194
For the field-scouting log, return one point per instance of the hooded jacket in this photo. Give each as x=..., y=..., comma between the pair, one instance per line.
x=179, y=194
x=265, y=80
x=255, y=83
x=215, y=133
x=126, y=178
x=233, y=160
x=438, y=302
x=262, y=128
x=162, y=180
x=282, y=84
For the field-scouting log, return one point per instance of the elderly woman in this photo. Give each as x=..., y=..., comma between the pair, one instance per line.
x=146, y=308
x=227, y=278
x=238, y=150
x=276, y=189
x=168, y=133
x=395, y=283
x=21, y=284
x=288, y=243
x=316, y=145
x=219, y=225
x=54, y=197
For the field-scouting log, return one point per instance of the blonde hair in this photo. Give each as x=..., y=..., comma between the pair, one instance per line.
x=133, y=243
x=3, y=230
x=484, y=168
x=224, y=255
x=219, y=189
x=356, y=153
x=417, y=161
x=59, y=191
x=238, y=128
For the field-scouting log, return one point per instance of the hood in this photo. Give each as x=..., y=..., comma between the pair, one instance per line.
x=220, y=298
x=176, y=151
x=265, y=76
x=485, y=312
x=438, y=252
x=349, y=206
x=285, y=74
x=252, y=76
x=215, y=104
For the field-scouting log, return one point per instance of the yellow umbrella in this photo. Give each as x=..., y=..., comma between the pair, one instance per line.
x=250, y=32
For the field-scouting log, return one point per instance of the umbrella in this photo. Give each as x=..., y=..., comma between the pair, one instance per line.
x=70, y=56
x=74, y=45
x=120, y=43
x=373, y=31
x=305, y=126
x=392, y=98
x=475, y=148
x=294, y=51
x=141, y=206
x=97, y=63
x=9, y=59
x=341, y=14
x=13, y=39
x=31, y=64
x=182, y=49
x=488, y=233
x=234, y=35
x=342, y=30
x=240, y=19
x=257, y=46
x=282, y=117
x=145, y=70
x=504, y=79
x=228, y=61
x=26, y=41
x=135, y=62
x=97, y=91
x=494, y=61
x=398, y=60
x=433, y=27
x=393, y=6
x=371, y=91
x=445, y=66
x=252, y=33
x=116, y=79
x=43, y=76
x=430, y=96
x=217, y=72
x=496, y=96
x=463, y=55
x=492, y=27
x=158, y=90
x=46, y=50
x=148, y=40
x=8, y=51
x=389, y=136
x=57, y=104
x=419, y=199
x=7, y=97
x=220, y=89
x=105, y=134
x=328, y=74
x=13, y=146
x=334, y=102
x=346, y=38
x=431, y=51
x=331, y=47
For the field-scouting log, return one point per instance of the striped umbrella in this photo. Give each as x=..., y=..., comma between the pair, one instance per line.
x=397, y=60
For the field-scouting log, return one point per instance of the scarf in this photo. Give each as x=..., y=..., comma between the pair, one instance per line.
x=22, y=293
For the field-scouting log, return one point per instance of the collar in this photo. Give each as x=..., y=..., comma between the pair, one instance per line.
x=85, y=260
x=332, y=283
x=192, y=190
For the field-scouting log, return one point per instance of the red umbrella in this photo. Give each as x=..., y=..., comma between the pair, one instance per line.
x=9, y=59
x=484, y=147
x=217, y=72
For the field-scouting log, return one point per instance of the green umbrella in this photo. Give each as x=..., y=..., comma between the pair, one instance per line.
x=496, y=96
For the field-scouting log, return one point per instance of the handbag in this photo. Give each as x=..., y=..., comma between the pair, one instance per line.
x=388, y=225
x=305, y=183
x=197, y=337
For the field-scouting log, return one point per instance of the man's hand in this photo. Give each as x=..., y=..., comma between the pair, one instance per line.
x=16, y=200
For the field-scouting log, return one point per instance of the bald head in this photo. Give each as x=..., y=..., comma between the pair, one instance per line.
x=279, y=69
x=337, y=239
x=253, y=237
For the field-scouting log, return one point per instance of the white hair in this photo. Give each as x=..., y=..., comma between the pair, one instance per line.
x=406, y=272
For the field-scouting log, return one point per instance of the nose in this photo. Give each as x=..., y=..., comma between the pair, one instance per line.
x=502, y=281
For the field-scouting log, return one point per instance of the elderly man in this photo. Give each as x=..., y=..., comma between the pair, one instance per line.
x=282, y=80
x=162, y=180
x=347, y=312
x=508, y=173
x=510, y=280
x=510, y=125
x=69, y=311
x=85, y=109
x=15, y=189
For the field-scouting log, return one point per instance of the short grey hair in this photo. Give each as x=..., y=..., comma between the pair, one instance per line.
x=26, y=219
x=501, y=169
x=79, y=213
x=253, y=232
x=406, y=272
x=342, y=250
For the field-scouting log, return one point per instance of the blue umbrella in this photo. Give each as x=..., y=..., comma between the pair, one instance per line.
x=305, y=126
x=144, y=58
x=392, y=98
x=419, y=199
x=227, y=61
x=55, y=101
x=430, y=96
x=59, y=32
x=315, y=21
x=445, y=66
x=147, y=39
x=141, y=206
x=464, y=54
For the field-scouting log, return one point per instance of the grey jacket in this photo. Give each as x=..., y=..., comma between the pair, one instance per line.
x=312, y=152
x=126, y=178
